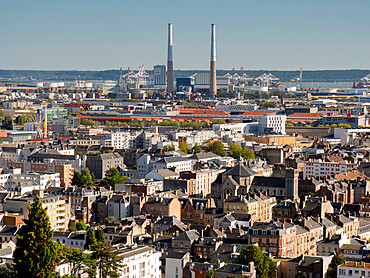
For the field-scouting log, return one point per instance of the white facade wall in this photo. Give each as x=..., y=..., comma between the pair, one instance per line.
x=40, y=181
x=318, y=168
x=358, y=271
x=71, y=242
x=274, y=122
x=180, y=166
x=145, y=264
x=204, y=181
x=173, y=268
x=117, y=140
x=143, y=165
x=119, y=210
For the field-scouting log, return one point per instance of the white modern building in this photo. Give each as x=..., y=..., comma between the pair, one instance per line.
x=140, y=261
x=270, y=123
x=118, y=140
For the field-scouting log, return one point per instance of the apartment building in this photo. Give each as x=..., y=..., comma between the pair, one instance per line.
x=65, y=170
x=258, y=205
x=58, y=210
x=193, y=210
x=276, y=238
x=319, y=168
x=158, y=206
x=140, y=261
x=203, y=180
x=14, y=181
x=118, y=140
x=308, y=233
x=99, y=164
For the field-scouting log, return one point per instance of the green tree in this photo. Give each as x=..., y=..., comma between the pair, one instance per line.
x=264, y=266
x=21, y=119
x=184, y=147
x=108, y=260
x=2, y=114
x=267, y=104
x=99, y=235
x=76, y=259
x=86, y=178
x=211, y=274
x=36, y=254
x=76, y=180
x=87, y=122
x=235, y=150
x=7, y=271
x=216, y=147
x=81, y=225
x=337, y=259
x=289, y=124
x=90, y=239
x=112, y=177
x=197, y=148
x=300, y=274
x=169, y=148
x=247, y=153
x=7, y=123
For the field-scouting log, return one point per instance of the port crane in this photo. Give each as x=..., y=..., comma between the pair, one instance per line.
x=298, y=79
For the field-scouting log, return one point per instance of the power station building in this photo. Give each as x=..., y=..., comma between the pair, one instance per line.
x=202, y=81
x=159, y=76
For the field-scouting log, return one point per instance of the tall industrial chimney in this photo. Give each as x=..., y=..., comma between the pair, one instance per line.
x=170, y=88
x=212, y=77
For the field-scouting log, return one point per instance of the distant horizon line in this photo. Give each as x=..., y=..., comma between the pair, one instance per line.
x=235, y=69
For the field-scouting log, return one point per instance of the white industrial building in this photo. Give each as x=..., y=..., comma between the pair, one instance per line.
x=202, y=81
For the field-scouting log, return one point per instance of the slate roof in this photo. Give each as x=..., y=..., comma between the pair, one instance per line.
x=191, y=235
x=309, y=260
x=175, y=255
x=241, y=171
x=206, y=155
x=171, y=221
x=166, y=173
x=269, y=181
x=172, y=159
x=161, y=201
x=233, y=268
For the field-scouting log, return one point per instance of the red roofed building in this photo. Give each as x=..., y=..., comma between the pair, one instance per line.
x=305, y=116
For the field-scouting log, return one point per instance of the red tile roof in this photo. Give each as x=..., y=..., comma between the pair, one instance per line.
x=306, y=115
x=256, y=113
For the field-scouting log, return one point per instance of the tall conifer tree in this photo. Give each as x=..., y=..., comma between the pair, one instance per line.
x=90, y=239
x=36, y=254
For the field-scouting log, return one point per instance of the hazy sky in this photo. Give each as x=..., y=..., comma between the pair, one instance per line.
x=254, y=34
